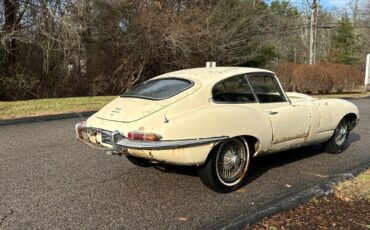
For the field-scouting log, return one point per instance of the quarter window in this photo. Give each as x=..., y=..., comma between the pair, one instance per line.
x=233, y=90
x=266, y=88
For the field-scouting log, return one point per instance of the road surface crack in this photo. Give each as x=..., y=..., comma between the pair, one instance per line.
x=2, y=220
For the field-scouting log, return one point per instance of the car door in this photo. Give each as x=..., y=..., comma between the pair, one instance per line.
x=290, y=123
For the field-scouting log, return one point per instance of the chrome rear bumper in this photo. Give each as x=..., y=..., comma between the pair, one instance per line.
x=84, y=133
x=120, y=143
x=157, y=145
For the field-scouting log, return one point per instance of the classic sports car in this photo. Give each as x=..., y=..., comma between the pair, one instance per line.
x=215, y=118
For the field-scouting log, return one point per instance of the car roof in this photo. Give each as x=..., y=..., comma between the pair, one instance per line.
x=212, y=74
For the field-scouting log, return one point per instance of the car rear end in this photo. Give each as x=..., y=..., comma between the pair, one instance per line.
x=135, y=124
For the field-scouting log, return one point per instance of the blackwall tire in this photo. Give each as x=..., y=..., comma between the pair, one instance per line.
x=339, y=141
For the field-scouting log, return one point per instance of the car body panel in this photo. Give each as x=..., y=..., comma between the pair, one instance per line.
x=288, y=122
x=193, y=115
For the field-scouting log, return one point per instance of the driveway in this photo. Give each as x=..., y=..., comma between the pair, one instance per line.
x=50, y=181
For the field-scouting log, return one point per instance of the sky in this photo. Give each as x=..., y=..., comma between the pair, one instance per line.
x=330, y=5
x=335, y=3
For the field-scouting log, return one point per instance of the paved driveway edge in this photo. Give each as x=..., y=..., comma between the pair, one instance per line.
x=285, y=202
x=46, y=118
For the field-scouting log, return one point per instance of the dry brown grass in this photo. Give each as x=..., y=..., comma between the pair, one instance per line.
x=355, y=189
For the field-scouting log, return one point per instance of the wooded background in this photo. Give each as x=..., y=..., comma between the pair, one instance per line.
x=63, y=48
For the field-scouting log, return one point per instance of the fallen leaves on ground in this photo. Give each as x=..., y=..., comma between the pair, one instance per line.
x=182, y=219
x=329, y=213
x=347, y=208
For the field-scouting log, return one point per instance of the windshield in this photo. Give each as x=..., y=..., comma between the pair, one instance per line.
x=159, y=89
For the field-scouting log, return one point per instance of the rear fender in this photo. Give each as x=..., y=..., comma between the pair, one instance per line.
x=219, y=120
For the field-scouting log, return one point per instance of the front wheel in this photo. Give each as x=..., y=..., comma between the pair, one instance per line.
x=339, y=141
x=227, y=166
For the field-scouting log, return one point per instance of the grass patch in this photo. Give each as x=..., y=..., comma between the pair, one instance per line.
x=39, y=107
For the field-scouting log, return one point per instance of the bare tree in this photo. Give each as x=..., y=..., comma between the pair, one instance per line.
x=55, y=48
x=13, y=13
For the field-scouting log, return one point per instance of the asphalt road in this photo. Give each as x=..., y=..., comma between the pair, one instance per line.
x=50, y=181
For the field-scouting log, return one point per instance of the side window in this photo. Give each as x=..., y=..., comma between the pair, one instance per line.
x=266, y=88
x=233, y=90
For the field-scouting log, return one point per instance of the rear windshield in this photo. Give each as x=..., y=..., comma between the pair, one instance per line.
x=159, y=89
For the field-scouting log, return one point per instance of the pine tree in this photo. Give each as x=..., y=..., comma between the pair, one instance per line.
x=344, y=43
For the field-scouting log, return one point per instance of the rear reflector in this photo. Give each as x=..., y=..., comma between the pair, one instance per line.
x=151, y=137
x=135, y=136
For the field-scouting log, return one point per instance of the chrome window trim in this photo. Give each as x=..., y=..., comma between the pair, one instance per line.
x=276, y=80
x=231, y=103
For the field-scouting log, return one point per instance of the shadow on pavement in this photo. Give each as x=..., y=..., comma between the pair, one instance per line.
x=260, y=165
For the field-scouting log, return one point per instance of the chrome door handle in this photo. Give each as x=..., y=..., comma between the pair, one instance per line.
x=272, y=112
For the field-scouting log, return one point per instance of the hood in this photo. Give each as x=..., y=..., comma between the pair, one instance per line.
x=129, y=109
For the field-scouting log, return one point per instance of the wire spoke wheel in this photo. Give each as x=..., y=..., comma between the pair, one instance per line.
x=341, y=133
x=339, y=141
x=227, y=166
x=231, y=162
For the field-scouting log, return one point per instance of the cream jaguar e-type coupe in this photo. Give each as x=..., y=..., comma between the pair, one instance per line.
x=217, y=119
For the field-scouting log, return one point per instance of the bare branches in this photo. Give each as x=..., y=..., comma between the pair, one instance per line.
x=22, y=11
x=69, y=47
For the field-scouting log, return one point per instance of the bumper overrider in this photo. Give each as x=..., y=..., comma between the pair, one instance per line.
x=115, y=142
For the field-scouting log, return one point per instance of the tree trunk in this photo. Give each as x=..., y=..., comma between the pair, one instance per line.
x=10, y=13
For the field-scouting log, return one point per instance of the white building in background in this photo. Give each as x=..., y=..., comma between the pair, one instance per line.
x=367, y=71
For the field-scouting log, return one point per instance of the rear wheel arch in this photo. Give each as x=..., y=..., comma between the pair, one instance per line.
x=351, y=118
x=254, y=145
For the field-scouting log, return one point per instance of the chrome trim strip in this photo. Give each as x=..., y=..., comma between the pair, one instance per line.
x=155, y=145
x=252, y=89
